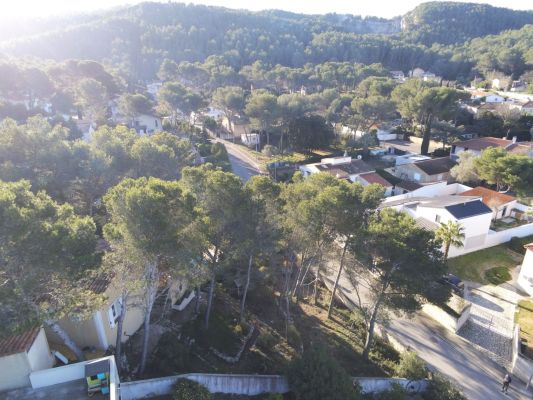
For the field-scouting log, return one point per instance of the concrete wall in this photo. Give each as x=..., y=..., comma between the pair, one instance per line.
x=248, y=385
x=448, y=321
x=522, y=367
x=216, y=383
x=525, y=277
x=39, y=356
x=14, y=372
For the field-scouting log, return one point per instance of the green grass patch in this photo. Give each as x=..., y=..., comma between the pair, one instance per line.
x=498, y=275
x=524, y=318
x=472, y=266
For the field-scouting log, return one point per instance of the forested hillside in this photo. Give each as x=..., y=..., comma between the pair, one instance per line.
x=451, y=22
x=138, y=39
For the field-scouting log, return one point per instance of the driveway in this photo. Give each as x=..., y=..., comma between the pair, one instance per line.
x=472, y=369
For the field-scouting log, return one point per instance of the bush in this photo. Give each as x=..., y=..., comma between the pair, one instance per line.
x=498, y=275
x=266, y=341
x=318, y=376
x=270, y=150
x=517, y=244
x=442, y=389
x=172, y=356
x=185, y=389
x=411, y=366
x=293, y=336
x=237, y=329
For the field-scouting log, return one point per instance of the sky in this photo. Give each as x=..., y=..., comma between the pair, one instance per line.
x=382, y=8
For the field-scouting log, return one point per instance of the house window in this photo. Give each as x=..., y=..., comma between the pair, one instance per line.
x=114, y=312
x=437, y=219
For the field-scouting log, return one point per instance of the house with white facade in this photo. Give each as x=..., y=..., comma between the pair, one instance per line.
x=525, y=277
x=476, y=146
x=20, y=355
x=146, y=124
x=353, y=170
x=468, y=211
x=398, y=75
x=251, y=139
x=501, y=204
x=487, y=97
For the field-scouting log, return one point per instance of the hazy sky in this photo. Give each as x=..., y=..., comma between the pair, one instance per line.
x=382, y=8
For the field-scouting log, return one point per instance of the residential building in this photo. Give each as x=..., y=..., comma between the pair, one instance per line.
x=501, y=204
x=340, y=167
x=403, y=187
x=527, y=108
x=398, y=75
x=487, y=97
x=239, y=125
x=100, y=331
x=425, y=171
x=153, y=89
x=22, y=354
x=251, y=139
x=146, y=124
x=369, y=178
x=476, y=146
x=467, y=211
x=525, y=277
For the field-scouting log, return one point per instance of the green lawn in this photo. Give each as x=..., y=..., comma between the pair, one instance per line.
x=472, y=267
x=524, y=317
x=498, y=275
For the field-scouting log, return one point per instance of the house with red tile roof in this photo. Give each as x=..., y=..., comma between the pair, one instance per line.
x=501, y=204
x=476, y=146
x=369, y=178
x=20, y=355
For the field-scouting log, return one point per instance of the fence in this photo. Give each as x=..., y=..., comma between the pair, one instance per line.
x=249, y=385
x=447, y=320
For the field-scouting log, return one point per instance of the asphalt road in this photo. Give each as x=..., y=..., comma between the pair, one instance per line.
x=243, y=165
x=474, y=371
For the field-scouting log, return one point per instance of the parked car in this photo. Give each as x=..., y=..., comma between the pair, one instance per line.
x=455, y=282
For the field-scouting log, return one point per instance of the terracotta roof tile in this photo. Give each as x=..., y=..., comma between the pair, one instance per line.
x=483, y=143
x=491, y=198
x=374, y=177
x=18, y=343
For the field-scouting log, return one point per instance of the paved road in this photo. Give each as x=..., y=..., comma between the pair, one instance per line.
x=243, y=165
x=472, y=369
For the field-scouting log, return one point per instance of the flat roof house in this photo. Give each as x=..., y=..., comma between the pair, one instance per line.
x=339, y=167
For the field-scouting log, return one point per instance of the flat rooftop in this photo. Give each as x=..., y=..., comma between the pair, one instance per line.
x=73, y=390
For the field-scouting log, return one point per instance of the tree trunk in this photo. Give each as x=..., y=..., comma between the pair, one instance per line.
x=446, y=250
x=371, y=327
x=151, y=294
x=335, y=285
x=210, y=301
x=65, y=337
x=120, y=324
x=424, y=148
x=246, y=286
x=197, y=305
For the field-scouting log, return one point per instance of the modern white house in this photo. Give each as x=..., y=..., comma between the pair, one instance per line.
x=146, y=124
x=487, y=97
x=467, y=211
x=525, y=277
x=22, y=354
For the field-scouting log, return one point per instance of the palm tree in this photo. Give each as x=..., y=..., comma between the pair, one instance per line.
x=451, y=233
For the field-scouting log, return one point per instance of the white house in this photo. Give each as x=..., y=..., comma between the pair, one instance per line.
x=251, y=139
x=525, y=277
x=384, y=131
x=340, y=167
x=467, y=211
x=501, y=204
x=487, y=97
x=146, y=124
x=476, y=146
x=398, y=75
x=369, y=178
x=22, y=354
x=527, y=108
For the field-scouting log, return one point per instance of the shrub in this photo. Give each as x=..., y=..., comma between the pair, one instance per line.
x=318, y=376
x=266, y=340
x=270, y=150
x=185, y=389
x=517, y=244
x=442, y=389
x=238, y=329
x=293, y=336
x=411, y=366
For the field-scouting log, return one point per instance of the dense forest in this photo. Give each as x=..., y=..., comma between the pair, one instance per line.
x=442, y=37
